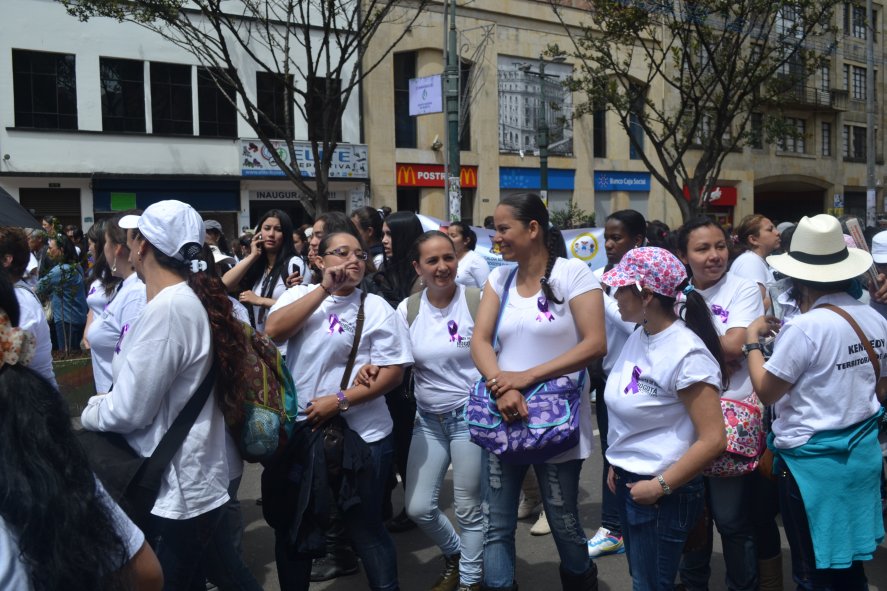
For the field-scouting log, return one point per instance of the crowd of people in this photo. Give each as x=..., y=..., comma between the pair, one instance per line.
x=734, y=376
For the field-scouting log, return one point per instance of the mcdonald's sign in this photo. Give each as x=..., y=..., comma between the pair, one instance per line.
x=433, y=175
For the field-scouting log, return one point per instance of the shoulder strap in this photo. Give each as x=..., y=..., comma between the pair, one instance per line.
x=172, y=441
x=358, y=329
x=502, y=303
x=873, y=357
x=472, y=299
x=413, y=307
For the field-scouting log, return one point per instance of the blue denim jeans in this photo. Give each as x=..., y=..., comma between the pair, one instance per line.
x=654, y=535
x=439, y=439
x=180, y=546
x=225, y=567
x=369, y=537
x=68, y=336
x=797, y=531
x=729, y=500
x=559, y=485
x=609, y=504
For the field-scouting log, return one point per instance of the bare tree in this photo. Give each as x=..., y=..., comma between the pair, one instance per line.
x=728, y=69
x=314, y=50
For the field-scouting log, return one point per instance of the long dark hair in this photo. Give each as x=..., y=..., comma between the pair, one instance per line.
x=67, y=537
x=369, y=218
x=287, y=251
x=528, y=207
x=100, y=270
x=405, y=228
x=228, y=337
x=697, y=316
x=335, y=222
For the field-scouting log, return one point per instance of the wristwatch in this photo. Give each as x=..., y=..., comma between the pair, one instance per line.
x=665, y=488
x=344, y=403
x=749, y=347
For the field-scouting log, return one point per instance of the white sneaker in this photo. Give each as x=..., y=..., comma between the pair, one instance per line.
x=541, y=527
x=603, y=543
x=526, y=508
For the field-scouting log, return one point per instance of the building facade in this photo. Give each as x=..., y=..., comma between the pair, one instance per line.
x=102, y=116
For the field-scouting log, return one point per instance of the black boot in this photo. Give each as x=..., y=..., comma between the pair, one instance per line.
x=513, y=587
x=587, y=581
x=449, y=578
x=340, y=560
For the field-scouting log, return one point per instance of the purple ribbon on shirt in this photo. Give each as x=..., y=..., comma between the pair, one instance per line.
x=542, y=304
x=335, y=324
x=633, y=385
x=722, y=312
x=123, y=332
x=453, y=329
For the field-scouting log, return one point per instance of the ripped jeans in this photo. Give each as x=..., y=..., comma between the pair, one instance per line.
x=501, y=486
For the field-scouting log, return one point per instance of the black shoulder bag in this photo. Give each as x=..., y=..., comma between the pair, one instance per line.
x=130, y=479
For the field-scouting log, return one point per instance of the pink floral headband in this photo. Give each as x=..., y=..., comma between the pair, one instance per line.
x=16, y=345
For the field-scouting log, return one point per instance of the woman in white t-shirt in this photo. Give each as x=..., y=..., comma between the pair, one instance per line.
x=827, y=399
x=185, y=330
x=552, y=325
x=473, y=269
x=317, y=326
x=261, y=276
x=102, y=284
x=757, y=238
x=734, y=303
x=110, y=325
x=665, y=421
x=440, y=340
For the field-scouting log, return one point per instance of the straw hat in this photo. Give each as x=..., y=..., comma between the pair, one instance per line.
x=818, y=253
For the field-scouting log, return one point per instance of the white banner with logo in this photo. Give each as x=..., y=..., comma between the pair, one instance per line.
x=349, y=160
x=426, y=95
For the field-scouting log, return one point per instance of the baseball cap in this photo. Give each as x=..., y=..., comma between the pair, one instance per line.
x=213, y=225
x=879, y=247
x=650, y=266
x=220, y=257
x=170, y=226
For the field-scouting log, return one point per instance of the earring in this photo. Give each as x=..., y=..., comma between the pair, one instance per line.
x=114, y=265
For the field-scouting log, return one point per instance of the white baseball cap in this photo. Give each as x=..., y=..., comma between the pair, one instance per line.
x=220, y=257
x=879, y=247
x=170, y=226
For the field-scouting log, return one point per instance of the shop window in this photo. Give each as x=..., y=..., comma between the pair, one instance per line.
x=408, y=200
x=467, y=206
x=322, y=104
x=45, y=89
x=600, y=133
x=171, y=111
x=217, y=116
x=123, y=94
x=274, y=100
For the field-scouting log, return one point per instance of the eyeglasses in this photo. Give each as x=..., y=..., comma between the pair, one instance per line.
x=344, y=253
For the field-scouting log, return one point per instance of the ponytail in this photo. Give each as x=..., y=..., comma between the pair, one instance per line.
x=228, y=337
x=697, y=317
x=554, y=243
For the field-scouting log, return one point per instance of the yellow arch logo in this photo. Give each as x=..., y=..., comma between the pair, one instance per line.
x=584, y=246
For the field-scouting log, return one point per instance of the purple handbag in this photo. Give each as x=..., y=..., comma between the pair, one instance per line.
x=551, y=428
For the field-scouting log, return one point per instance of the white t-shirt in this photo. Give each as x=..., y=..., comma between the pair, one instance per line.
x=528, y=337
x=734, y=303
x=649, y=427
x=440, y=342
x=473, y=270
x=317, y=354
x=32, y=318
x=833, y=380
x=32, y=272
x=239, y=311
x=13, y=571
x=749, y=265
x=618, y=330
x=260, y=314
x=97, y=299
x=162, y=362
x=109, y=327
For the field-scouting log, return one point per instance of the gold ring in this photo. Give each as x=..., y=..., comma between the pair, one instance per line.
x=493, y=382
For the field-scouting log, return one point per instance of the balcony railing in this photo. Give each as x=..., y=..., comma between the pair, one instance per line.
x=808, y=95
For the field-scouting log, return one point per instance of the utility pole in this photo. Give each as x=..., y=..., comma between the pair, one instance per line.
x=872, y=189
x=454, y=167
x=542, y=134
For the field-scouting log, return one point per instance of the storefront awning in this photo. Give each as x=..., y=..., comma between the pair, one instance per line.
x=111, y=195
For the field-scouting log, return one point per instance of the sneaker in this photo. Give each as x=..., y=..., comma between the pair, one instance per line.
x=604, y=543
x=527, y=507
x=541, y=527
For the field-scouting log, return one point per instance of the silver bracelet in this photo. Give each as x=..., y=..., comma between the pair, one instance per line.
x=665, y=488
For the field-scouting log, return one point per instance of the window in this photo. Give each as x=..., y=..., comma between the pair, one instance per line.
x=636, y=132
x=216, y=115
x=826, y=139
x=846, y=77
x=274, y=100
x=855, y=22
x=171, y=99
x=45, y=89
x=756, y=134
x=322, y=104
x=825, y=79
x=123, y=94
x=797, y=142
x=854, y=141
x=858, y=88
x=404, y=124
x=600, y=133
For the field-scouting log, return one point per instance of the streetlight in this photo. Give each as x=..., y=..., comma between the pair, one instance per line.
x=542, y=138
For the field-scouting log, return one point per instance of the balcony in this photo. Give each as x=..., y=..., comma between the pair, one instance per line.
x=807, y=96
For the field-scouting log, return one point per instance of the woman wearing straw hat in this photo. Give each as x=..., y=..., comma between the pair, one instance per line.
x=823, y=383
